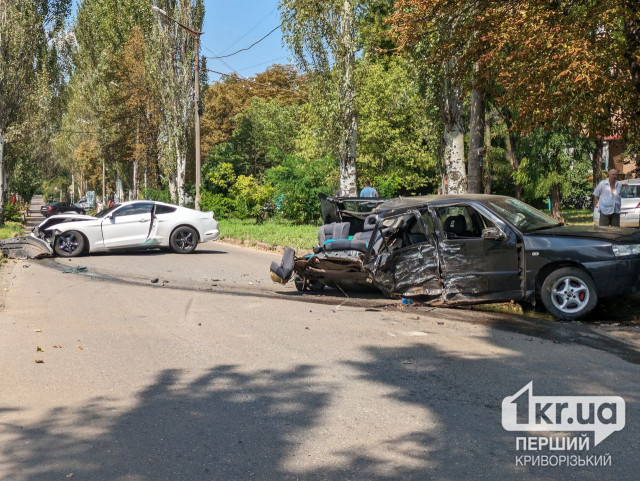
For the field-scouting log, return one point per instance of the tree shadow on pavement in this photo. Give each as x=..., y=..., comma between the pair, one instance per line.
x=226, y=424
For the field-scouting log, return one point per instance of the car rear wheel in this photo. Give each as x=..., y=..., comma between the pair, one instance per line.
x=184, y=240
x=569, y=293
x=69, y=244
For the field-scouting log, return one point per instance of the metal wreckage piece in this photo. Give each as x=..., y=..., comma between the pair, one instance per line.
x=25, y=247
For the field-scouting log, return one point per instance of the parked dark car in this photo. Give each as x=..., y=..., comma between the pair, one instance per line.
x=468, y=249
x=60, y=208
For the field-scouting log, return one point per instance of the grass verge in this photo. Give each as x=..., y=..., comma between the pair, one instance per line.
x=578, y=216
x=272, y=232
x=11, y=229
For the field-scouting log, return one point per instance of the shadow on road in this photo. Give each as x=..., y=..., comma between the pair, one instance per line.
x=232, y=425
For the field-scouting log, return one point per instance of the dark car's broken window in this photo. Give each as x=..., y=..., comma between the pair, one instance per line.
x=522, y=216
x=461, y=221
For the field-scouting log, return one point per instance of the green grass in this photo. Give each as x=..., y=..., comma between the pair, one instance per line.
x=11, y=229
x=578, y=216
x=271, y=232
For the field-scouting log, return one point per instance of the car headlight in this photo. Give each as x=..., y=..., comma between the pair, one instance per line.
x=620, y=250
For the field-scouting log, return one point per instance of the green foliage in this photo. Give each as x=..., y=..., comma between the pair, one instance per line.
x=218, y=203
x=554, y=158
x=52, y=188
x=249, y=196
x=396, y=134
x=13, y=212
x=297, y=183
x=156, y=194
x=25, y=178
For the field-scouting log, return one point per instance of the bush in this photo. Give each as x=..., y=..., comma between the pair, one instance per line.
x=13, y=212
x=297, y=183
x=248, y=196
x=218, y=203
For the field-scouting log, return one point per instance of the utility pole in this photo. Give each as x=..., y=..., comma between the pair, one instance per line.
x=104, y=184
x=196, y=44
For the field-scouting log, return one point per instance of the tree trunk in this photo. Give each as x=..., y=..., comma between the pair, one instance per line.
x=476, y=140
x=119, y=188
x=555, y=203
x=487, y=146
x=453, y=136
x=2, y=177
x=173, y=189
x=511, y=142
x=596, y=166
x=347, y=109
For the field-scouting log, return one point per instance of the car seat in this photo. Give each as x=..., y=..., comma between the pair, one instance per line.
x=456, y=225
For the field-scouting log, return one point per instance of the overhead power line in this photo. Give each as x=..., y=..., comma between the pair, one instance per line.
x=251, y=29
x=246, y=48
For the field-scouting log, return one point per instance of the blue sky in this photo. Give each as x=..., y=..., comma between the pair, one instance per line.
x=230, y=25
x=234, y=24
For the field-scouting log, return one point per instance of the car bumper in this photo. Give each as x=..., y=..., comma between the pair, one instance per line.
x=211, y=235
x=616, y=277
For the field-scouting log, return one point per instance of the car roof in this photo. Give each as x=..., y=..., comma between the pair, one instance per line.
x=403, y=203
x=630, y=181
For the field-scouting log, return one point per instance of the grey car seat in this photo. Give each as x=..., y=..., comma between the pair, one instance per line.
x=334, y=231
x=456, y=225
x=369, y=225
x=282, y=272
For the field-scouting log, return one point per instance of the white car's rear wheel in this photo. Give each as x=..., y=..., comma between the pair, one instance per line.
x=69, y=244
x=184, y=240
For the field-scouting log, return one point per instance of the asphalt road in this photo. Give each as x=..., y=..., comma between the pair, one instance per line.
x=215, y=373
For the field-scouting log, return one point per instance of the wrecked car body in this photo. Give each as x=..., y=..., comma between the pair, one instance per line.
x=469, y=249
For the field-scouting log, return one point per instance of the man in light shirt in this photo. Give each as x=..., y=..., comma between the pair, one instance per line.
x=608, y=200
x=368, y=191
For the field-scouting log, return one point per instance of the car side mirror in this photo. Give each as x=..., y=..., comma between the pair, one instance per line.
x=493, y=233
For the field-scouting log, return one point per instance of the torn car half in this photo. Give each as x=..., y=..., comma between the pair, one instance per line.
x=451, y=250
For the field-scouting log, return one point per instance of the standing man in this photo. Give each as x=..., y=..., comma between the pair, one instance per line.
x=368, y=191
x=608, y=200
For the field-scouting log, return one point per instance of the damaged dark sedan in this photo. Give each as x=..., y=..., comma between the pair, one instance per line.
x=468, y=249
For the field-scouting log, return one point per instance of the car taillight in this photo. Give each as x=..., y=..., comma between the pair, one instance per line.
x=50, y=207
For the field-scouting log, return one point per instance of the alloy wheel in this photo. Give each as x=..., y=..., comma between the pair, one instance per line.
x=570, y=294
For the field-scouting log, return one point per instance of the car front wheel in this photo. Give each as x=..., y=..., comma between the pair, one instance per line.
x=569, y=293
x=69, y=244
x=184, y=240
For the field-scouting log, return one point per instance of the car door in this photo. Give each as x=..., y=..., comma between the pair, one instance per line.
x=127, y=226
x=479, y=255
x=402, y=257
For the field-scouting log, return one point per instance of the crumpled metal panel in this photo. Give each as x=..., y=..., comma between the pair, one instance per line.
x=412, y=271
x=26, y=247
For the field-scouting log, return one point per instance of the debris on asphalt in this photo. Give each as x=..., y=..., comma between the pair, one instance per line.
x=74, y=270
x=80, y=348
x=57, y=347
x=154, y=281
x=37, y=330
x=39, y=361
x=26, y=266
x=39, y=349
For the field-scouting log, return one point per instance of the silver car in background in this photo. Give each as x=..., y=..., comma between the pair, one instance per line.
x=630, y=209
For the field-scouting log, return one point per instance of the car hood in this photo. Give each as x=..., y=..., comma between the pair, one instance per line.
x=58, y=219
x=611, y=234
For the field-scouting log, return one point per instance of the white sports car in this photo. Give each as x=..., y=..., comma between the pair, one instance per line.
x=138, y=224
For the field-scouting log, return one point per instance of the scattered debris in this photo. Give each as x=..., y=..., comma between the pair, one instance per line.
x=74, y=270
x=57, y=347
x=39, y=349
x=155, y=280
x=39, y=361
x=26, y=266
x=308, y=328
x=37, y=330
x=80, y=348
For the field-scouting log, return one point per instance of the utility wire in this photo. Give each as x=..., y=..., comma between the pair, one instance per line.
x=251, y=29
x=246, y=48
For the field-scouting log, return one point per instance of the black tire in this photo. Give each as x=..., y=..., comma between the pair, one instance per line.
x=300, y=283
x=69, y=244
x=307, y=285
x=183, y=240
x=316, y=286
x=569, y=293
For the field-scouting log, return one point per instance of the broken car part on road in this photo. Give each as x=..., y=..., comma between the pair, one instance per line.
x=469, y=249
x=26, y=247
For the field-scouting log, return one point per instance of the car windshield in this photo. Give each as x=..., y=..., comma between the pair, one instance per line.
x=629, y=191
x=102, y=213
x=521, y=215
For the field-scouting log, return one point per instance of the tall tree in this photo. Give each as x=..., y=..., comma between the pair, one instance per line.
x=173, y=64
x=25, y=29
x=322, y=36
